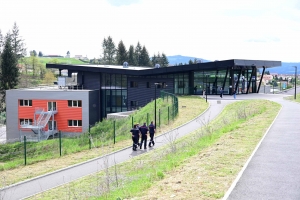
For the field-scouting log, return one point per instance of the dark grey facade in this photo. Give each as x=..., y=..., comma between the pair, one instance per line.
x=123, y=89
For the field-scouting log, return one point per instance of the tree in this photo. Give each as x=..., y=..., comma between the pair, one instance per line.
x=144, y=57
x=164, y=61
x=109, y=50
x=40, y=54
x=131, y=60
x=33, y=61
x=153, y=60
x=33, y=53
x=137, y=54
x=17, y=42
x=191, y=62
x=49, y=77
x=267, y=73
x=1, y=42
x=121, y=53
x=9, y=76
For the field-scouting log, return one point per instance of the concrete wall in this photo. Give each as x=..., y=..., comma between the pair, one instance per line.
x=12, y=104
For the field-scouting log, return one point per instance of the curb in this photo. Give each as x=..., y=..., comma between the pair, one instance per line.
x=91, y=160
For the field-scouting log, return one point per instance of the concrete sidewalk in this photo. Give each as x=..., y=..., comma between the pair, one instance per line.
x=39, y=184
x=273, y=172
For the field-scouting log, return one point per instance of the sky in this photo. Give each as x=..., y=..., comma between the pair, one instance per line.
x=207, y=29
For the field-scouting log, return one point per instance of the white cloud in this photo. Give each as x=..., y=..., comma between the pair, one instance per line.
x=213, y=30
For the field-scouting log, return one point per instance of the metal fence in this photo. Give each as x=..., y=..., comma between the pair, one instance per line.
x=103, y=133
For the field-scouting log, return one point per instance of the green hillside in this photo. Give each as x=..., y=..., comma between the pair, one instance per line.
x=71, y=61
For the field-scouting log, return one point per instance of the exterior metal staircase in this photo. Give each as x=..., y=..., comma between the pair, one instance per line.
x=38, y=126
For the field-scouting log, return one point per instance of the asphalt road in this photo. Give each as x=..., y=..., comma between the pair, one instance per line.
x=273, y=171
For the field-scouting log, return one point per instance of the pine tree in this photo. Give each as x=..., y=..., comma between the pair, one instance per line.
x=131, y=60
x=17, y=42
x=40, y=54
x=9, y=76
x=137, y=54
x=153, y=60
x=121, y=53
x=1, y=41
x=164, y=61
x=145, y=59
x=109, y=51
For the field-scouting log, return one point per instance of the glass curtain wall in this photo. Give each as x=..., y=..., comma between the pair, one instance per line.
x=211, y=81
x=181, y=83
x=113, y=93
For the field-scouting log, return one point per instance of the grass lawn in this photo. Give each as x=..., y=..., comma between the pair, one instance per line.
x=201, y=165
x=292, y=98
x=71, y=61
x=194, y=106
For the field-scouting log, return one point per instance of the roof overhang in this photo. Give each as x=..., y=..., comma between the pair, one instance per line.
x=216, y=65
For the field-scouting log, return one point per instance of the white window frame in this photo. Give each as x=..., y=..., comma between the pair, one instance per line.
x=26, y=121
x=74, y=122
x=50, y=124
x=55, y=108
x=28, y=102
x=75, y=103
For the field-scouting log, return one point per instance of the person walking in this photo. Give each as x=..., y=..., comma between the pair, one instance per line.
x=203, y=94
x=234, y=94
x=135, y=134
x=152, y=130
x=138, y=138
x=144, y=131
x=221, y=92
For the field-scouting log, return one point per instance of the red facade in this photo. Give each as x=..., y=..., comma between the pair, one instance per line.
x=62, y=117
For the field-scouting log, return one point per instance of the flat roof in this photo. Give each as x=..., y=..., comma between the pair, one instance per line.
x=51, y=88
x=143, y=71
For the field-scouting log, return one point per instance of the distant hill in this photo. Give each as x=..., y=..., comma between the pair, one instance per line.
x=286, y=67
x=173, y=60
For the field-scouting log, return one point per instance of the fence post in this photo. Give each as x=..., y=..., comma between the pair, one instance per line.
x=25, y=159
x=147, y=119
x=59, y=133
x=114, y=131
x=90, y=142
x=168, y=114
x=159, y=118
x=132, y=122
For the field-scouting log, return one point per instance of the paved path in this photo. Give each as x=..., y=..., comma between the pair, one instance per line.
x=274, y=170
x=272, y=173
x=51, y=180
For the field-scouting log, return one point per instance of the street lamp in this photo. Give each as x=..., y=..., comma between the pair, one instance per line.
x=156, y=84
x=206, y=75
x=295, y=82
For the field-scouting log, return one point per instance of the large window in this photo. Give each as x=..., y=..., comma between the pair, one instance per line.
x=75, y=123
x=74, y=103
x=25, y=102
x=51, y=105
x=50, y=127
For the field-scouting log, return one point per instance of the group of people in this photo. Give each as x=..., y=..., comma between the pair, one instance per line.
x=221, y=93
x=138, y=132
